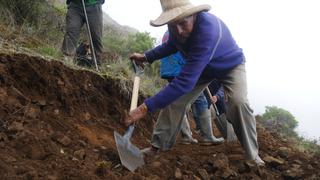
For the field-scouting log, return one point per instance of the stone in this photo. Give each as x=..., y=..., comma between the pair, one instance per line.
x=196, y=177
x=82, y=143
x=297, y=161
x=16, y=126
x=203, y=174
x=35, y=152
x=52, y=177
x=178, y=174
x=32, y=112
x=156, y=164
x=273, y=161
x=80, y=154
x=220, y=161
x=64, y=141
x=56, y=112
x=42, y=102
x=284, y=152
x=3, y=137
x=293, y=173
x=153, y=177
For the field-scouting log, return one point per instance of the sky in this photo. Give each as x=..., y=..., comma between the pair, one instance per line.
x=280, y=39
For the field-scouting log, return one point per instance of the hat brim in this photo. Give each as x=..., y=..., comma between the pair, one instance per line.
x=178, y=13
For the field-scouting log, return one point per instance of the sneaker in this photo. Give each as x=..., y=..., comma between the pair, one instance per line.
x=189, y=141
x=259, y=161
x=212, y=141
x=149, y=152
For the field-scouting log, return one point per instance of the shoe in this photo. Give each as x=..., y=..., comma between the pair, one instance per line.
x=211, y=141
x=149, y=152
x=189, y=141
x=259, y=162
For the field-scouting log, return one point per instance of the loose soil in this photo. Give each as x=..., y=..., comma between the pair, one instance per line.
x=58, y=123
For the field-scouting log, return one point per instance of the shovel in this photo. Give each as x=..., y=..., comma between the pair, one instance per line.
x=224, y=126
x=130, y=155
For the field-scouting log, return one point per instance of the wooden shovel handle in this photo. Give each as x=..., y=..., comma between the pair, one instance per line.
x=135, y=93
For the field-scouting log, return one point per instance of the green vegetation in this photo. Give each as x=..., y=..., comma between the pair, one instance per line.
x=284, y=123
x=282, y=119
x=38, y=25
x=50, y=51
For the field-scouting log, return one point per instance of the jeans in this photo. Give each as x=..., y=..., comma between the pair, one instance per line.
x=198, y=107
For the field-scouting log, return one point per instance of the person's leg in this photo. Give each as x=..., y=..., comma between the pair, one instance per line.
x=239, y=112
x=95, y=18
x=74, y=22
x=170, y=119
x=199, y=104
x=202, y=116
x=186, y=133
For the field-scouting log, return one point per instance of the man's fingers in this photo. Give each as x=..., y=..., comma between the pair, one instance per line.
x=128, y=121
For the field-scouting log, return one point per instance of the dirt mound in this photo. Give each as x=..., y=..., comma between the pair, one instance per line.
x=58, y=123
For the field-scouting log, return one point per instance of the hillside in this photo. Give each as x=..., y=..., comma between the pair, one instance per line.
x=57, y=119
x=58, y=123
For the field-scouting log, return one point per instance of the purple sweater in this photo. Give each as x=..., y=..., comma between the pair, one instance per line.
x=201, y=64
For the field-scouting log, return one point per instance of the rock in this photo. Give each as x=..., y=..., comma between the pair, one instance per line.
x=16, y=126
x=297, y=161
x=293, y=173
x=296, y=166
x=56, y=112
x=273, y=161
x=242, y=168
x=153, y=177
x=82, y=143
x=284, y=152
x=51, y=177
x=80, y=154
x=178, y=174
x=3, y=137
x=156, y=164
x=21, y=170
x=227, y=173
x=32, y=112
x=64, y=141
x=220, y=161
x=203, y=174
x=87, y=116
x=310, y=167
x=35, y=152
x=10, y=159
x=196, y=177
x=42, y=102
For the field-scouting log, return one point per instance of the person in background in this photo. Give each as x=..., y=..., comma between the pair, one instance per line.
x=170, y=67
x=75, y=19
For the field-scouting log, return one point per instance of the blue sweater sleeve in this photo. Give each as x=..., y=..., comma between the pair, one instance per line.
x=220, y=93
x=201, y=44
x=161, y=51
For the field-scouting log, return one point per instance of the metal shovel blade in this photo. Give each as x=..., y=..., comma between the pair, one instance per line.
x=130, y=155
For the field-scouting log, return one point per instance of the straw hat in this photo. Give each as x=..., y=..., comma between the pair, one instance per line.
x=173, y=10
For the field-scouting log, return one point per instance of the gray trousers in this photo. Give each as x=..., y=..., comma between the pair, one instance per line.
x=185, y=129
x=239, y=112
x=75, y=19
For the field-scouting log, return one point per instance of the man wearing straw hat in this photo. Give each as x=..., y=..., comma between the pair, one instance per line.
x=210, y=53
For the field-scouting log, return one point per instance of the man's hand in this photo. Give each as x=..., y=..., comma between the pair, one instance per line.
x=136, y=114
x=138, y=58
x=214, y=99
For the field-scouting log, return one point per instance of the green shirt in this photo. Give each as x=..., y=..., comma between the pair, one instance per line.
x=87, y=2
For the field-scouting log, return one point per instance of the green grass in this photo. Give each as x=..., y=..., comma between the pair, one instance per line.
x=47, y=50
